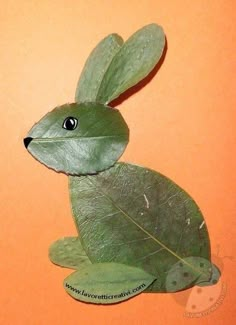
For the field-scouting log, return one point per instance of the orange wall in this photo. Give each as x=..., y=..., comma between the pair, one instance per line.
x=182, y=124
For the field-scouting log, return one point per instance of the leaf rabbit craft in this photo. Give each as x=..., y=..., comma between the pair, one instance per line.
x=137, y=230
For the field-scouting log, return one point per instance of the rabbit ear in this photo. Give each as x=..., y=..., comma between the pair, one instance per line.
x=135, y=60
x=95, y=68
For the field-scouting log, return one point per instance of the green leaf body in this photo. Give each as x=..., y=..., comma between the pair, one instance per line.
x=94, y=145
x=107, y=283
x=68, y=252
x=136, y=216
x=95, y=68
x=135, y=60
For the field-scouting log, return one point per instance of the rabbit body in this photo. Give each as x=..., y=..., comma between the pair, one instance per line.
x=137, y=230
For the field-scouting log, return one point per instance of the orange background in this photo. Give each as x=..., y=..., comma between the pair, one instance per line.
x=182, y=124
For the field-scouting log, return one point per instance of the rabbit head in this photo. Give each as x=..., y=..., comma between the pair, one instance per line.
x=88, y=136
x=79, y=138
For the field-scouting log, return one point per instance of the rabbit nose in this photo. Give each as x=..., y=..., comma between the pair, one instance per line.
x=27, y=141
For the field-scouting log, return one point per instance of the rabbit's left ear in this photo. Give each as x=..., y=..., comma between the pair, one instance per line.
x=95, y=68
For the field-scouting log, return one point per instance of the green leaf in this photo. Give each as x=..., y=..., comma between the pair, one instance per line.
x=136, y=216
x=95, y=68
x=96, y=143
x=68, y=252
x=107, y=283
x=137, y=57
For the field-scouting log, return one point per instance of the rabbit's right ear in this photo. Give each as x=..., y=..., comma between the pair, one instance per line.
x=95, y=68
x=135, y=60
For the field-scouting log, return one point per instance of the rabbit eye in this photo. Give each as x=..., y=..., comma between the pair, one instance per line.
x=70, y=123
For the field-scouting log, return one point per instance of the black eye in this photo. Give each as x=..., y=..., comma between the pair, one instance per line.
x=70, y=123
